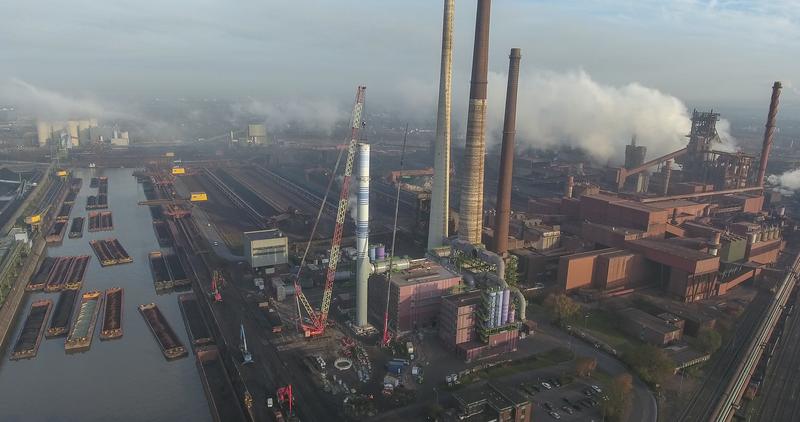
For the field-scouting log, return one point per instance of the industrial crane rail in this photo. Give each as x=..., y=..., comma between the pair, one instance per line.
x=330, y=208
x=251, y=212
x=727, y=406
x=266, y=198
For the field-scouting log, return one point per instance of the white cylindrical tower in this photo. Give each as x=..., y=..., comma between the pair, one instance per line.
x=362, y=234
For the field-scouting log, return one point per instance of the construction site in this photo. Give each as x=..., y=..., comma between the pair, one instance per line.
x=372, y=280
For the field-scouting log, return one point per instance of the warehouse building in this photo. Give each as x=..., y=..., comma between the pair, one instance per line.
x=266, y=249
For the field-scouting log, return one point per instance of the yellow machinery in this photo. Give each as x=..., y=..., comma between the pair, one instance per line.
x=198, y=197
x=169, y=154
x=33, y=219
x=62, y=173
x=178, y=170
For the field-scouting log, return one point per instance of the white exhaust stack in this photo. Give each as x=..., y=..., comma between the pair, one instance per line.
x=363, y=266
x=440, y=194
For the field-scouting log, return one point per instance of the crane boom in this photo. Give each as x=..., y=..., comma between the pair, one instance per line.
x=318, y=320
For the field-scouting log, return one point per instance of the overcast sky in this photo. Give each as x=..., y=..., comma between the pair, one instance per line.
x=702, y=52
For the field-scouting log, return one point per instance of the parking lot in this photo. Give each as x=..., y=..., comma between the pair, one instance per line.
x=561, y=400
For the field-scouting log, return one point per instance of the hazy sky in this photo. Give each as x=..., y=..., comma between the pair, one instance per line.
x=699, y=51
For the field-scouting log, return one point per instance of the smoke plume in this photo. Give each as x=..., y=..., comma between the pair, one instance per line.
x=571, y=109
x=787, y=182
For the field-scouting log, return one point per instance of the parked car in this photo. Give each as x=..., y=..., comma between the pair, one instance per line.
x=567, y=409
x=547, y=405
x=597, y=389
x=546, y=385
x=554, y=415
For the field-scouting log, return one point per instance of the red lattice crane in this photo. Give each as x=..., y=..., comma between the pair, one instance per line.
x=315, y=325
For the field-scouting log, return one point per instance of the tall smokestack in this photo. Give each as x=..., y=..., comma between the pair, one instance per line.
x=769, y=131
x=507, y=156
x=362, y=235
x=471, y=210
x=440, y=194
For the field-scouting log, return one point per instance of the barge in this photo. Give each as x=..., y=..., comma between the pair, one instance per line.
x=75, y=184
x=77, y=272
x=170, y=345
x=222, y=400
x=62, y=314
x=112, y=315
x=196, y=326
x=56, y=233
x=31, y=336
x=102, y=201
x=80, y=337
x=100, y=221
x=110, y=252
x=39, y=280
x=76, y=229
x=70, y=199
x=94, y=182
x=176, y=270
x=162, y=233
x=158, y=266
x=63, y=212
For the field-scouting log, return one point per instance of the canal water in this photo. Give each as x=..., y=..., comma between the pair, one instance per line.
x=126, y=379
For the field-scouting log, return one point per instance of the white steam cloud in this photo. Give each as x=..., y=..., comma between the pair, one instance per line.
x=52, y=105
x=571, y=109
x=315, y=115
x=787, y=182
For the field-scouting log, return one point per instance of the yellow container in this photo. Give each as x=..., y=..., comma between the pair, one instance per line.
x=198, y=197
x=178, y=170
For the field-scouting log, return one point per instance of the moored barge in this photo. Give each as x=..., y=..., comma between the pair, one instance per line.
x=220, y=393
x=162, y=233
x=100, y=221
x=94, y=182
x=76, y=229
x=165, y=336
x=158, y=266
x=176, y=270
x=77, y=272
x=63, y=213
x=112, y=315
x=196, y=326
x=58, y=276
x=119, y=252
x=56, y=233
x=62, y=314
x=39, y=280
x=110, y=252
x=31, y=336
x=80, y=336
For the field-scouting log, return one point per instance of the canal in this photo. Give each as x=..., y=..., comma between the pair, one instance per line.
x=124, y=379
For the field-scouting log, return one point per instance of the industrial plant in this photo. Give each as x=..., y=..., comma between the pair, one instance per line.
x=415, y=274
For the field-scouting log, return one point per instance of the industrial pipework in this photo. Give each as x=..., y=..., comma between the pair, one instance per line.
x=769, y=132
x=471, y=209
x=440, y=193
x=363, y=267
x=507, y=156
x=492, y=258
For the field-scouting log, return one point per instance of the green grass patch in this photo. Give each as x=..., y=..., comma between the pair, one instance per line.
x=604, y=325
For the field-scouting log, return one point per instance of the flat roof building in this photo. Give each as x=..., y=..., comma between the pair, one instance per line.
x=266, y=248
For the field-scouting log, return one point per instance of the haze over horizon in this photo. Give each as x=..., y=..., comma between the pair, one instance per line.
x=621, y=66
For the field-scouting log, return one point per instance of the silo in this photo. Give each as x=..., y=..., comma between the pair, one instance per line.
x=491, y=309
x=506, y=305
x=498, y=310
x=257, y=134
x=72, y=130
x=43, y=131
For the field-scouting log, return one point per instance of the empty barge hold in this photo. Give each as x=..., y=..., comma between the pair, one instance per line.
x=102, y=201
x=31, y=336
x=161, y=278
x=62, y=314
x=56, y=233
x=162, y=233
x=165, y=336
x=76, y=229
x=80, y=337
x=100, y=221
x=94, y=182
x=112, y=315
x=75, y=184
x=196, y=326
x=176, y=270
x=102, y=189
x=39, y=280
x=91, y=202
x=222, y=399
